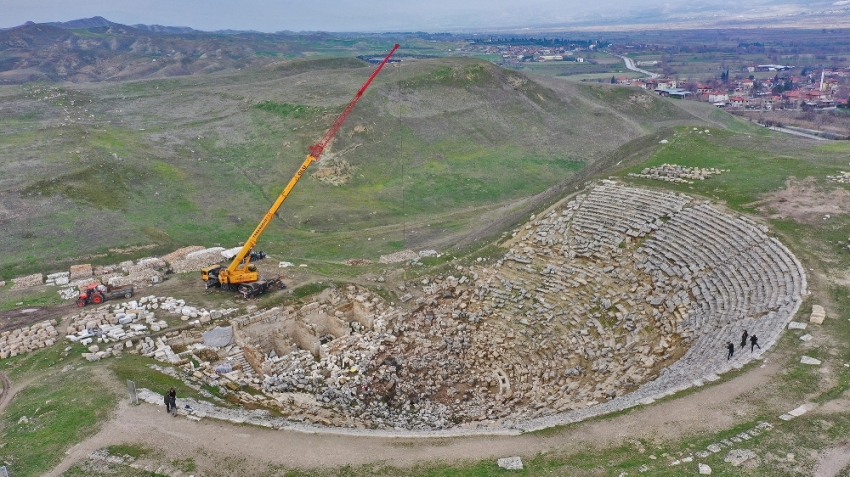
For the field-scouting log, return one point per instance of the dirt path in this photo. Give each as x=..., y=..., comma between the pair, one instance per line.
x=834, y=461
x=20, y=317
x=707, y=412
x=5, y=393
x=9, y=390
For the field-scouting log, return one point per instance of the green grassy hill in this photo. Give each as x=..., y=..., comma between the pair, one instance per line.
x=432, y=146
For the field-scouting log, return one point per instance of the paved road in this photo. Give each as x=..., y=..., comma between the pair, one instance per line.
x=797, y=133
x=631, y=65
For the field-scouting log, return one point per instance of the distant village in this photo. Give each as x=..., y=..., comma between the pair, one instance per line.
x=517, y=50
x=824, y=89
x=791, y=87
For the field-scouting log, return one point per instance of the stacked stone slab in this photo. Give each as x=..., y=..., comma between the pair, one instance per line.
x=181, y=253
x=29, y=281
x=197, y=260
x=58, y=279
x=24, y=340
x=81, y=271
x=139, y=277
x=147, y=263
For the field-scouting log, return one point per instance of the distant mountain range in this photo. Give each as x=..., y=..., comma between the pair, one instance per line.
x=99, y=21
x=96, y=49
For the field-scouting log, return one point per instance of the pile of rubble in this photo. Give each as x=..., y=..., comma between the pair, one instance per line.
x=24, y=340
x=195, y=261
x=403, y=256
x=842, y=177
x=357, y=262
x=181, y=253
x=124, y=323
x=676, y=173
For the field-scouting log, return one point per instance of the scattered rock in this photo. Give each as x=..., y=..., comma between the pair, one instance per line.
x=738, y=457
x=396, y=257
x=510, y=463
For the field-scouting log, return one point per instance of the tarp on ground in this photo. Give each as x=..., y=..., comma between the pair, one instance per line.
x=219, y=337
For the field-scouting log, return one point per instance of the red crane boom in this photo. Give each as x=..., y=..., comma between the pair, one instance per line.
x=317, y=149
x=240, y=269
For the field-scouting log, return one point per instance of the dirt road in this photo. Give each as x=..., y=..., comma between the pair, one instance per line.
x=212, y=442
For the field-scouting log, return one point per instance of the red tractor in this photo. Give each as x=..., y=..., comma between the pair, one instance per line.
x=98, y=294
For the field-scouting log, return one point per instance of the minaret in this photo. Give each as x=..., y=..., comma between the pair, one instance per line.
x=821, y=80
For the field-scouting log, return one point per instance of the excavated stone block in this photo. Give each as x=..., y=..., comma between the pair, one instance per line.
x=81, y=271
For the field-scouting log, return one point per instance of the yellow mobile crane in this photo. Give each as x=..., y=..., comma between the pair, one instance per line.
x=241, y=274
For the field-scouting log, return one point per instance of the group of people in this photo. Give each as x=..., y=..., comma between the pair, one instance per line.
x=754, y=343
x=170, y=399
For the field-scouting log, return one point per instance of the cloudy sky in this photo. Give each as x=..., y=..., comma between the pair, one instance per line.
x=353, y=15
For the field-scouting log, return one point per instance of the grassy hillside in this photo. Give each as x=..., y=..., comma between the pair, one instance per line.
x=197, y=160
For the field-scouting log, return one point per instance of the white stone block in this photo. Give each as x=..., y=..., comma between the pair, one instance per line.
x=818, y=314
x=809, y=360
x=510, y=463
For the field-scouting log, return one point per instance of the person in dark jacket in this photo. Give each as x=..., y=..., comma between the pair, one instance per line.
x=744, y=340
x=754, y=343
x=172, y=398
x=731, y=349
x=167, y=399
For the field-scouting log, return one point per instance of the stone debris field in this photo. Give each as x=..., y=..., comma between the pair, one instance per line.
x=842, y=177
x=619, y=297
x=121, y=326
x=676, y=173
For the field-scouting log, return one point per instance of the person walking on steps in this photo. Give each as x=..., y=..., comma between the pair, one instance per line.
x=731, y=349
x=167, y=400
x=754, y=343
x=744, y=340
x=172, y=398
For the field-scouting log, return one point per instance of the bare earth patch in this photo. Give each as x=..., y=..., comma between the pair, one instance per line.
x=833, y=461
x=804, y=201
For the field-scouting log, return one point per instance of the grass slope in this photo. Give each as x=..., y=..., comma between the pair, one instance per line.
x=197, y=160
